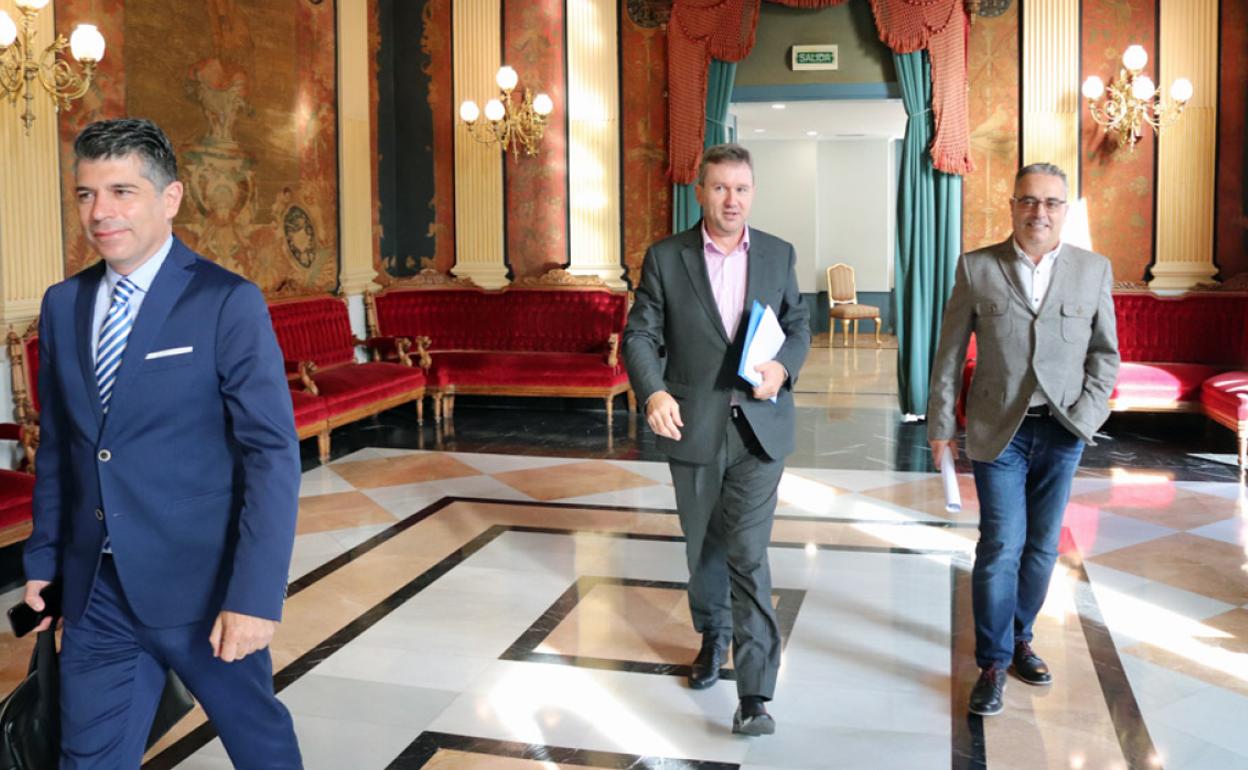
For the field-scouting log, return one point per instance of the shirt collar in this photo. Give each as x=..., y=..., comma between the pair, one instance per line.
x=146, y=273
x=711, y=246
x=1018, y=251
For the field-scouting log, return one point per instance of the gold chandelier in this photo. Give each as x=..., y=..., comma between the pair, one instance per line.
x=506, y=123
x=1133, y=100
x=19, y=68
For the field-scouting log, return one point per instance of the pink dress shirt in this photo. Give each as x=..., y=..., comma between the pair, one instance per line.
x=728, y=275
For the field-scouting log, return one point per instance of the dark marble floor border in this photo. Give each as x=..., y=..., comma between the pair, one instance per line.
x=204, y=733
x=1124, y=710
x=935, y=523
x=968, y=744
x=525, y=647
x=428, y=744
x=970, y=749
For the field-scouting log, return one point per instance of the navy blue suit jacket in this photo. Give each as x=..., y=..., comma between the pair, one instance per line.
x=193, y=474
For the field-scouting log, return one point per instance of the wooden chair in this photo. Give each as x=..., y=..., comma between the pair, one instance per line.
x=24, y=368
x=843, y=304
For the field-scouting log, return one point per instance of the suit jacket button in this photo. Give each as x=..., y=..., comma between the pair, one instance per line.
x=104, y=455
x=99, y=514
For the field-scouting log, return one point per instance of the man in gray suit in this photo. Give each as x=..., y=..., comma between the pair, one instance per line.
x=726, y=441
x=1043, y=319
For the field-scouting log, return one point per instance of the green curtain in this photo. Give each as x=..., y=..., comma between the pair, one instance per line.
x=929, y=237
x=685, y=209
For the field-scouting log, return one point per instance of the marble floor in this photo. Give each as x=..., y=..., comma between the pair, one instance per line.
x=510, y=595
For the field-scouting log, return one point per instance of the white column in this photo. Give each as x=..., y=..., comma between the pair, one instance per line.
x=1050, y=86
x=594, y=140
x=355, y=165
x=1187, y=150
x=479, y=243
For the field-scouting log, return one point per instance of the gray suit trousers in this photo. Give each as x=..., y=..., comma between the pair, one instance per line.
x=726, y=509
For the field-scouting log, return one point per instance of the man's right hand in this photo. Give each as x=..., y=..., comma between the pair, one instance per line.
x=35, y=601
x=938, y=449
x=663, y=415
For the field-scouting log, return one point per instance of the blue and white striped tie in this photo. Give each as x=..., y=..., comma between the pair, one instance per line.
x=113, y=335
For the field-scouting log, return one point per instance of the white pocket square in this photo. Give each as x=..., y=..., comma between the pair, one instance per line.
x=167, y=352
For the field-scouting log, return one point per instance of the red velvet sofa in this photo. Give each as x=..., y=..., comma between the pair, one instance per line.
x=311, y=418
x=558, y=335
x=1184, y=353
x=329, y=387
x=1171, y=345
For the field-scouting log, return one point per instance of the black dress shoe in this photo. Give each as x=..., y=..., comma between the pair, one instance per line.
x=752, y=718
x=705, y=669
x=988, y=694
x=1030, y=667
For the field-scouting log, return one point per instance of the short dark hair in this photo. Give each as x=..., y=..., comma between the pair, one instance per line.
x=1048, y=169
x=724, y=153
x=109, y=139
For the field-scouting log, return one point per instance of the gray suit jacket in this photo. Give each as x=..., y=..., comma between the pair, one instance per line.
x=1069, y=348
x=674, y=309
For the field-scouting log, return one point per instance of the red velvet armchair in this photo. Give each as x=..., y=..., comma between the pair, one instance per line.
x=24, y=367
x=319, y=351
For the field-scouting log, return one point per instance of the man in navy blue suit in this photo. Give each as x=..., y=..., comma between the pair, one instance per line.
x=168, y=476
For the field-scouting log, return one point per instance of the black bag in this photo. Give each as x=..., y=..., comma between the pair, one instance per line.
x=30, y=719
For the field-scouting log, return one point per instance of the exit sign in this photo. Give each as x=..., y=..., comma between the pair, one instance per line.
x=814, y=57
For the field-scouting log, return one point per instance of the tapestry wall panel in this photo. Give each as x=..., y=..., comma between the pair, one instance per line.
x=536, y=189
x=246, y=91
x=374, y=102
x=647, y=204
x=416, y=137
x=1232, y=200
x=993, y=77
x=1118, y=182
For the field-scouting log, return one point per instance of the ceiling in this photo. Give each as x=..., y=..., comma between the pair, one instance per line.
x=831, y=120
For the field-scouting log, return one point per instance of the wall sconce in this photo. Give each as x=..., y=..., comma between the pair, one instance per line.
x=1133, y=101
x=506, y=123
x=19, y=68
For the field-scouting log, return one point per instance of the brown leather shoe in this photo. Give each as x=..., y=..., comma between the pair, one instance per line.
x=705, y=669
x=988, y=694
x=1030, y=667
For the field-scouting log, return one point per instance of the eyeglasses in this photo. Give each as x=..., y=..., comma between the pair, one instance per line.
x=1050, y=204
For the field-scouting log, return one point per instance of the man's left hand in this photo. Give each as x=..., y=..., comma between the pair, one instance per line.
x=235, y=636
x=774, y=374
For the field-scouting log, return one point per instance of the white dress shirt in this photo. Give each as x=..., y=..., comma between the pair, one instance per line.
x=141, y=278
x=1034, y=277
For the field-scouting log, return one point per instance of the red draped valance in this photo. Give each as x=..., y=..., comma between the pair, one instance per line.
x=700, y=30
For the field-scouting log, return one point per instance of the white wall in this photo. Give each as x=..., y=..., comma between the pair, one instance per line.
x=834, y=200
x=784, y=201
x=857, y=209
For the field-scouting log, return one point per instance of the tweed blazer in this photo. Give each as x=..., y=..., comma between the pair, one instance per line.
x=1068, y=348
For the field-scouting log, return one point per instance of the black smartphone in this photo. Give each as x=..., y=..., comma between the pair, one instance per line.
x=23, y=619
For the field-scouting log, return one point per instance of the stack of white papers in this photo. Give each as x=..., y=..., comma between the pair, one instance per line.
x=763, y=338
x=948, y=474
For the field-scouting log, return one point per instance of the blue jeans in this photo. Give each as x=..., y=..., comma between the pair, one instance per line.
x=1022, y=497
